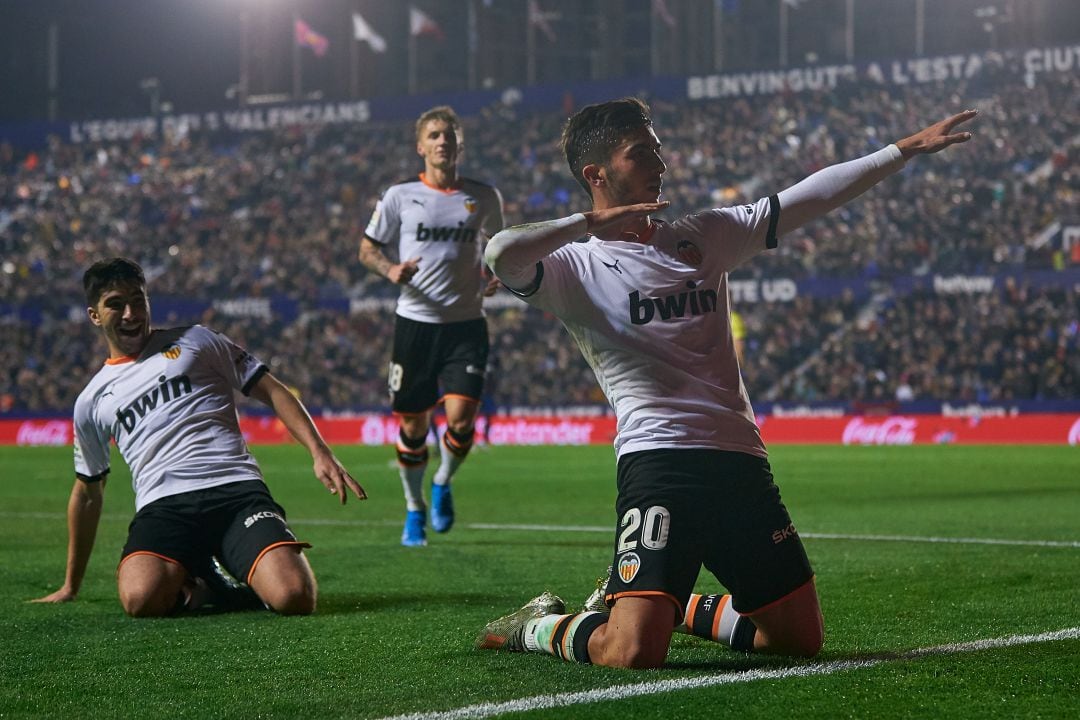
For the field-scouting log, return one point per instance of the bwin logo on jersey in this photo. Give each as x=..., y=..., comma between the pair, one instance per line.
x=669, y=307
x=168, y=389
x=446, y=234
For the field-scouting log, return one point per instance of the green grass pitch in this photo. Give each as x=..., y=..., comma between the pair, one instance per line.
x=394, y=630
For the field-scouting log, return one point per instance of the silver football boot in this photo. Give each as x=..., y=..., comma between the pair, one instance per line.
x=508, y=632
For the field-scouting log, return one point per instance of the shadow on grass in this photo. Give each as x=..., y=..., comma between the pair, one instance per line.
x=346, y=603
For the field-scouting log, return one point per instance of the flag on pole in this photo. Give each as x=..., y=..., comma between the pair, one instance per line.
x=420, y=23
x=539, y=19
x=362, y=32
x=306, y=37
x=661, y=10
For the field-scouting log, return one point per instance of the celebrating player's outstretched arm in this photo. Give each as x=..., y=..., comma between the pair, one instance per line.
x=937, y=137
x=838, y=184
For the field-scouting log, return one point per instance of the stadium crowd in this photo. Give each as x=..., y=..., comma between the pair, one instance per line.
x=278, y=214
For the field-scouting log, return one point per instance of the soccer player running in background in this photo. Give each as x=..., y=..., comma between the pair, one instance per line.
x=166, y=397
x=435, y=226
x=647, y=302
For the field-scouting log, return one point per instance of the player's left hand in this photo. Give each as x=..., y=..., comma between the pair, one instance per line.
x=492, y=286
x=332, y=474
x=63, y=595
x=937, y=137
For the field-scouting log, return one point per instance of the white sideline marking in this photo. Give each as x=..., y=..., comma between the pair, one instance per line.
x=622, y=692
x=815, y=536
x=605, y=529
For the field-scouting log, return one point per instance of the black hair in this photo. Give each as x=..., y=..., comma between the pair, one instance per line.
x=107, y=274
x=594, y=131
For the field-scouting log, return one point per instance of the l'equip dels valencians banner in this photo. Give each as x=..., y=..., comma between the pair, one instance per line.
x=1033, y=429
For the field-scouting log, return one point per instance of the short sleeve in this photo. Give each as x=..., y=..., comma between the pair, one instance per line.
x=493, y=223
x=739, y=232
x=385, y=224
x=239, y=367
x=91, y=441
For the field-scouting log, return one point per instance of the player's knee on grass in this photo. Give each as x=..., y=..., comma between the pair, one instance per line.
x=625, y=650
x=149, y=586
x=806, y=643
x=292, y=601
x=795, y=628
x=144, y=603
x=637, y=635
x=284, y=581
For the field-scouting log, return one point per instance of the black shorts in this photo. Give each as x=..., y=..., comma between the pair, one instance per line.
x=681, y=509
x=428, y=357
x=237, y=523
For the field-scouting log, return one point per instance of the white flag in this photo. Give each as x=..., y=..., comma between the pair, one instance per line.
x=420, y=23
x=363, y=32
x=539, y=19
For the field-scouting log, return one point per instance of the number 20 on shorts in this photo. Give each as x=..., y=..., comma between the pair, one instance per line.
x=654, y=528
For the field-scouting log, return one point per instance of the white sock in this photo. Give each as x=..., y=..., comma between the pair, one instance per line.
x=412, y=482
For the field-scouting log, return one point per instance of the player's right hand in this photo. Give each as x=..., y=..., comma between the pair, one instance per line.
x=402, y=273
x=613, y=217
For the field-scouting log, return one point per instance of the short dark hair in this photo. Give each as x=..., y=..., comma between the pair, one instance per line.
x=440, y=112
x=594, y=131
x=108, y=274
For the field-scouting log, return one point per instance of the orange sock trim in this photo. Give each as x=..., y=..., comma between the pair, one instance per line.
x=691, y=610
x=716, y=618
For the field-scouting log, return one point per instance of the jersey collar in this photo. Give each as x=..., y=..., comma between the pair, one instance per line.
x=643, y=239
x=120, y=360
x=450, y=191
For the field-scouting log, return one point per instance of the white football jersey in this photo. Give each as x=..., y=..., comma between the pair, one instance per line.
x=172, y=414
x=447, y=230
x=652, y=320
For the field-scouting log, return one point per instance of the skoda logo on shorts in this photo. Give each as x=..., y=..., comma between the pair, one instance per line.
x=262, y=515
x=629, y=564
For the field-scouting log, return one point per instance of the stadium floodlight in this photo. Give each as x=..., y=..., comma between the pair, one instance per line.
x=152, y=87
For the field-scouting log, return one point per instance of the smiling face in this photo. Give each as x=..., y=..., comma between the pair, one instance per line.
x=123, y=314
x=633, y=172
x=438, y=143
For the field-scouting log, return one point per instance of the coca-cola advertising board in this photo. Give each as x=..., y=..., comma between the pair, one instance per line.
x=1032, y=429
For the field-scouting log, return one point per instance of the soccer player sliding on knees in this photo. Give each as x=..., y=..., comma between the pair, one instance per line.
x=647, y=303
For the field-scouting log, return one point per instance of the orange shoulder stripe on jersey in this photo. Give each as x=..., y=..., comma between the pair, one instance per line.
x=774, y=603
x=268, y=548
x=611, y=597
